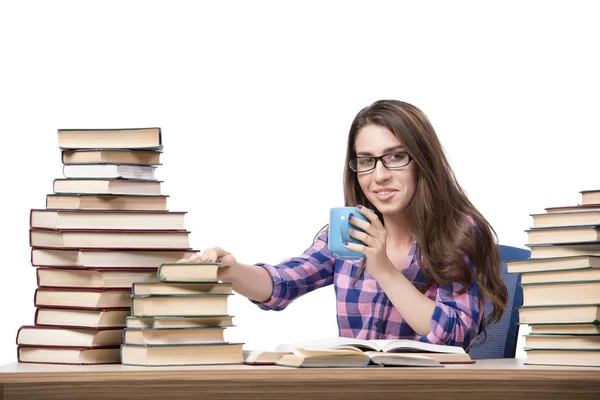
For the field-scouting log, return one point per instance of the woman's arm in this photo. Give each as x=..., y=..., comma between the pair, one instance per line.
x=274, y=287
x=414, y=307
x=250, y=281
x=451, y=319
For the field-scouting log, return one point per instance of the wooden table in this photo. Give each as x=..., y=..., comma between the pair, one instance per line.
x=487, y=379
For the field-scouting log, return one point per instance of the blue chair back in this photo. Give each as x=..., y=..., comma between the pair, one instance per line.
x=501, y=341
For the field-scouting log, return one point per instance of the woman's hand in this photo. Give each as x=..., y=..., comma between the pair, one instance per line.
x=374, y=239
x=216, y=255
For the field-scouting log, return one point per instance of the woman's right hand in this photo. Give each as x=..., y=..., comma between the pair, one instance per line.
x=213, y=254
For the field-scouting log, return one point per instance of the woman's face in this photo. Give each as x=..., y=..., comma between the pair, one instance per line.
x=389, y=190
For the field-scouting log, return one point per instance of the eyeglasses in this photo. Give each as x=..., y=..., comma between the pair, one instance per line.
x=390, y=161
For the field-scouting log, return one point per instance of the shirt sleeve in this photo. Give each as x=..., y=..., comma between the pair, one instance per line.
x=297, y=276
x=456, y=317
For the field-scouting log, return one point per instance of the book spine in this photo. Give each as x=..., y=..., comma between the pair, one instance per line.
x=18, y=333
x=35, y=316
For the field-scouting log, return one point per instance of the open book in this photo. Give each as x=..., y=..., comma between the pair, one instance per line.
x=383, y=349
x=300, y=357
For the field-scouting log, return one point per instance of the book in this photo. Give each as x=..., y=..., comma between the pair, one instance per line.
x=179, y=322
x=105, y=258
x=61, y=336
x=111, y=171
x=556, y=276
x=117, y=239
x=107, y=220
x=128, y=138
x=566, y=357
x=565, y=250
x=564, y=234
x=92, y=278
x=566, y=218
x=111, y=156
x=398, y=346
x=83, y=299
x=188, y=272
x=74, y=318
x=563, y=293
x=178, y=305
x=176, y=355
x=566, y=328
x=546, y=342
x=258, y=357
x=578, y=208
x=91, y=201
x=552, y=264
x=590, y=197
x=149, y=336
x=578, y=313
x=347, y=358
x=163, y=288
x=107, y=186
x=68, y=355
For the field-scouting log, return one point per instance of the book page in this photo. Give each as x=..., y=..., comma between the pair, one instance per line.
x=407, y=345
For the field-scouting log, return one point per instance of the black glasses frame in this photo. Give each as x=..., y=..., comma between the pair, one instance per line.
x=353, y=164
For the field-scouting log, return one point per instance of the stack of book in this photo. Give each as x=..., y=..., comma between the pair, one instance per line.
x=180, y=319
x=561, y=285
x=104, y=227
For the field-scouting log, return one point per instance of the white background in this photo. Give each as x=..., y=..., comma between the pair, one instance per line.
x=255, y=100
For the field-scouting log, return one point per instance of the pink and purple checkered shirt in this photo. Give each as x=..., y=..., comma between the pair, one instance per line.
x=364, y=311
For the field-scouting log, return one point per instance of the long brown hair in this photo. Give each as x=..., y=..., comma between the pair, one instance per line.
x=439, y=215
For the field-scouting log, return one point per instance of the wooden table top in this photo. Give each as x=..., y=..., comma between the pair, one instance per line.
x=497, y=369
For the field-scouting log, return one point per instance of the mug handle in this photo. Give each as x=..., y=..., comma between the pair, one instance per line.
x=344, y=226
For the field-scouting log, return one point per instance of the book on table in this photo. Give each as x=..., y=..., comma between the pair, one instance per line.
x=80, y=318
x=82, y=298
x=111, y=156
x=153, y=336
x=188, y=272
x=93, y=278
x=307, y=358
x=99, y=201
x=105, y=258
x=196, y=321
x=590, y=197
x=107, y=186
x=126, y=138
x=561, y=293
x=110, y=171
x=66, y=336
x=384, y=352
x=113, y=239
x=549, y=250
x=68, y=355
x=560, y=314
x=580, y=328
x=566, y=218
x=589, y=341
x=563, y=357
x=182, y=354
x=107, y=219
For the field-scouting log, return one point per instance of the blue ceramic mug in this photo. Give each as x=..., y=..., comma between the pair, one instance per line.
x=338, y=232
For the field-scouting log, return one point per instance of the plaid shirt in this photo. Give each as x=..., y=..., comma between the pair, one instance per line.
x=364, y=311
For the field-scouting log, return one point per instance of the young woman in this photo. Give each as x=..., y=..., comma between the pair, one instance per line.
x=431, y=257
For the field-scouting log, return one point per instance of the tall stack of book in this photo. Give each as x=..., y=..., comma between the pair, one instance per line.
x=180, y=319
x=561, y=285
x=104, y=227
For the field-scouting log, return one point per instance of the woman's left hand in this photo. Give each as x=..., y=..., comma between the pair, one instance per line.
x=374, y=239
